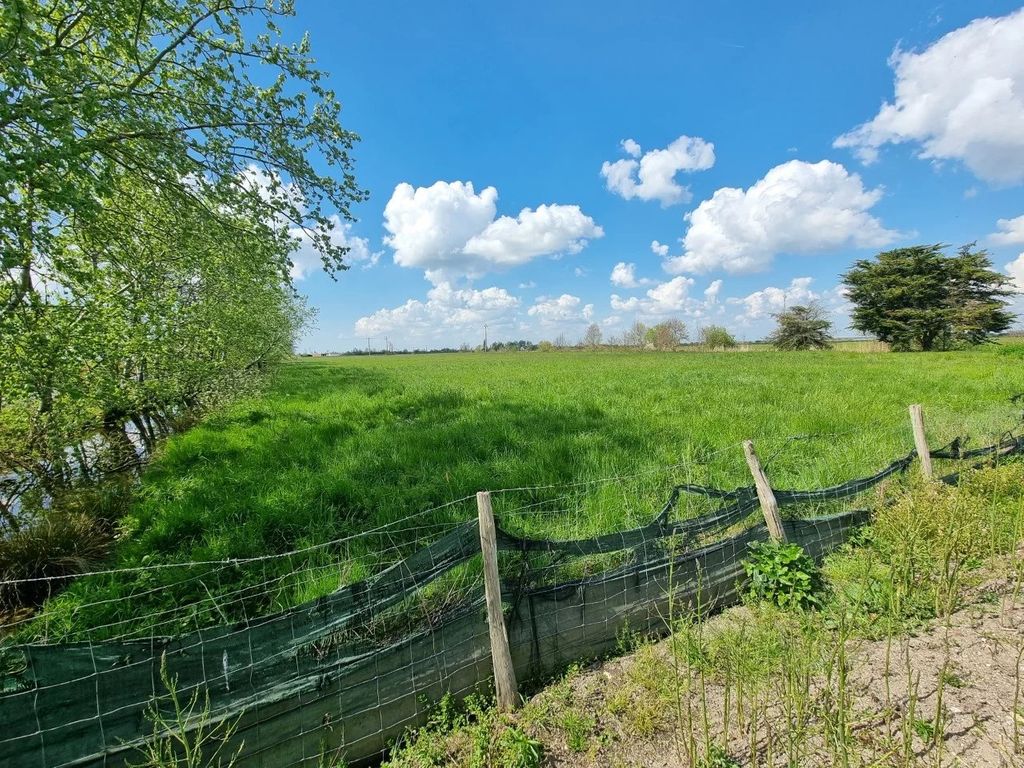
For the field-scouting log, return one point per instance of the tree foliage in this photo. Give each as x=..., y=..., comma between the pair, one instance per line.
x=921, y=298
x=716, y=337
x=666, y=335
x=802, y=327
x=156, y=179
x=592, y=337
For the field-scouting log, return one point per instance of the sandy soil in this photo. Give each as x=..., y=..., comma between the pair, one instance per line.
x=981, y=672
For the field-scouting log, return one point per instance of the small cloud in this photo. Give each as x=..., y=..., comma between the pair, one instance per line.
x=631, y=148
x=653, y=176
x=561, y=309
x=1011, y=232
x=771, y=300
x=712, y=291
x=624, y=276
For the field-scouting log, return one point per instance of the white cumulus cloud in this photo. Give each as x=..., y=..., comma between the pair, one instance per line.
x=1011, y=232
x=798, y=207
x=962, y=98
x=659, y=249
x=624, y=276
x=652, y=176
x=1015, y=269
x=771, y=300
x=449, y=230
x=561, y=309
x=446, y=307
x=663, y=299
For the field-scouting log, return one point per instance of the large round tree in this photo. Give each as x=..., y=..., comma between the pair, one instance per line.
x=921, y=298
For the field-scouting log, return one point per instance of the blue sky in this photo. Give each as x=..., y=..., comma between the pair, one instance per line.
x=522, y=158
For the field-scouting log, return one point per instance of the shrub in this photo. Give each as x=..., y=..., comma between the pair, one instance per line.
x=781, y=574
x=55, y=547
x=473, y=734
x=716, y=337
x=802, y=327
x=717, y=757
x=933, y=533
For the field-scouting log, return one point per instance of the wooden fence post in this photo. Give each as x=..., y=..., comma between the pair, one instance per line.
x=769, y=506
x=504, y=673
x=921, y=441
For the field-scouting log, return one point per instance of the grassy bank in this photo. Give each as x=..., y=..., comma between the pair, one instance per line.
x=339, y=447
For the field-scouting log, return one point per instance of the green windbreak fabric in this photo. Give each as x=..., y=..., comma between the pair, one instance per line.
x=84, y=700
x=635, y=538
x=312, y=681
x=1009, y=447
x=846, y=490
x=955, y=449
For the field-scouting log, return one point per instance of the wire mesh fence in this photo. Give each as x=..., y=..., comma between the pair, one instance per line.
x=342, y=676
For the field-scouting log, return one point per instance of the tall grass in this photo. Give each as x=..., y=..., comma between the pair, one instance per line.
x=342, y=446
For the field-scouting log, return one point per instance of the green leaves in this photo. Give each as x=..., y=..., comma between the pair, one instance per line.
x=156, y=165
x=782, y=574
x=802, y=327
x=919, y=297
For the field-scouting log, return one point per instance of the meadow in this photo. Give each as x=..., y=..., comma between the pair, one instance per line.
x=355, y=461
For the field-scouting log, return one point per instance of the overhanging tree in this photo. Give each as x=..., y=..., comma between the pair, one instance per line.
x=921, y=298
x=160, y=163
x=173, y=94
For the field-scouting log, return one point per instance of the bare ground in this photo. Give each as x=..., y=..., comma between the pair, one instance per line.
x=609, y=714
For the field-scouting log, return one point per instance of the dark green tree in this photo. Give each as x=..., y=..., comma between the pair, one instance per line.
x=922, y=298
x=802, y=327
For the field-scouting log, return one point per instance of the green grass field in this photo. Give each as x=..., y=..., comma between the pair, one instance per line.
x=340, y=446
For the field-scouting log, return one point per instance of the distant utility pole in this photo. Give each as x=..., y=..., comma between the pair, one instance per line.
x=367, y=345
x=485, y=337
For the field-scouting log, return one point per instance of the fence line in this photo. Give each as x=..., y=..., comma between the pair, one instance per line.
x=348, y=673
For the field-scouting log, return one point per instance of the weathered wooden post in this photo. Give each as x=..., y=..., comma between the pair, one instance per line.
x=921, y=441
x=504, y=673
x=769, y=506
